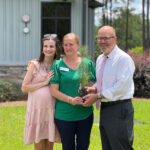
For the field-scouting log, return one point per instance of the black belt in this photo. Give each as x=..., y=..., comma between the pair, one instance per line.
x=105, y=104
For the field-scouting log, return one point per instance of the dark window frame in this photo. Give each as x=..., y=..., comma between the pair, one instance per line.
x=55, y=18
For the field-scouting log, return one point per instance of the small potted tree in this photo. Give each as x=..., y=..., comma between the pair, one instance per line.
x=84, y=74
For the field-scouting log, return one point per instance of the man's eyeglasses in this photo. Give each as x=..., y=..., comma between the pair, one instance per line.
x=51, y=35
x=104, y=38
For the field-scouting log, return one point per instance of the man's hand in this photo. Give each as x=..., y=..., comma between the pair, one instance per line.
x=90, y=99
x=91, y=90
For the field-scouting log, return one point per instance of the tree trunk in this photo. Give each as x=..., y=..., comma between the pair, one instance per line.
x=143, y=26
x=103, y=9
x=110, y=12
x=148, y=39
x=106, y=11
x=127, y=17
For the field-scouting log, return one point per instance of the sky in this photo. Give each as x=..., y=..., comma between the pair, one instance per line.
x=137, y=4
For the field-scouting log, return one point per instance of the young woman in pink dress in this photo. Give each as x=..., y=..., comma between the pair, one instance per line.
x=39, y=126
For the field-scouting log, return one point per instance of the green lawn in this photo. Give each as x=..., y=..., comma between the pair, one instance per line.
x=12, y=128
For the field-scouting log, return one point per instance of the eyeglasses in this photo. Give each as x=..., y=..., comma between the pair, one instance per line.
x=51, y=35
x=104, y=38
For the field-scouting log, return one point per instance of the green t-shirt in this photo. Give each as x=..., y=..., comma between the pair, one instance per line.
x=68, y=80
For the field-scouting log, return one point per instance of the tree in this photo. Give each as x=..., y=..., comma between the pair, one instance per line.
x=127, y=24
x=148, y=38
x=103, y=10
x=127, y=16
x=134, y=31
x=106, y=11
x=145, y=27
x=97, y=48
x=107, y=15
x=110, y=8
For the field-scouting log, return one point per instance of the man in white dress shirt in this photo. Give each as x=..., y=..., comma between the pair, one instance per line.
x=117, y=89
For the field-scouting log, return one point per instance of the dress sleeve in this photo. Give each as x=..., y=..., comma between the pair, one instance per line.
x=92, y=71
x=56, y=78
x=36, y=65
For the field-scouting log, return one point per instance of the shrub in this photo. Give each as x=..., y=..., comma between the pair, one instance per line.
x=10, y=91
x=138, y=50
x=142, y=74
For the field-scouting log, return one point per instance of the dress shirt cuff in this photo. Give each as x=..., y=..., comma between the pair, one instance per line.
x=95, y=84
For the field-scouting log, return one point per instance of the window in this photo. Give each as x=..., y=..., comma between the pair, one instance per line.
x=56, y=18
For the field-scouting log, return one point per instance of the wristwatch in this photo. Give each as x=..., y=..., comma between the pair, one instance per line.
x=98, y=95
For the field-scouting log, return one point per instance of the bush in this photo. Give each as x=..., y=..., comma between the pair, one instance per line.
x=142, y=74
x=138, y=50
x=10, y=91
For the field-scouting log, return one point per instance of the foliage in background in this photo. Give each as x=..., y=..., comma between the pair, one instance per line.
x=125, y=18
x=7, y=91
x=10, y=91
x=142, y=74
x=97, y=48
x=137, y=50
x=134, y=28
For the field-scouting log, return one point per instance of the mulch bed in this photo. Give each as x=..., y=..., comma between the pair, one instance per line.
x=14, y=103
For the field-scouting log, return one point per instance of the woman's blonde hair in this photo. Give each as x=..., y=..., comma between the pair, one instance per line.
x=76, y=37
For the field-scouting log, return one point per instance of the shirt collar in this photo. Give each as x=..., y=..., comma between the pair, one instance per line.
x=113, y=52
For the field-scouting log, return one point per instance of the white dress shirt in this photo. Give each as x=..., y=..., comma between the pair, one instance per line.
x=117, y=81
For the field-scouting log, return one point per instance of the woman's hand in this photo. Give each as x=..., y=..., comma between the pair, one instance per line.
x=49, y=77
x=91, y=90
x=75, y=101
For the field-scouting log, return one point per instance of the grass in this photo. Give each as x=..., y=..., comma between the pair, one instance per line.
x=142, y=125
x=12, y=126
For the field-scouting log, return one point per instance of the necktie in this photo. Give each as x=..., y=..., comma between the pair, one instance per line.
x=99, y=82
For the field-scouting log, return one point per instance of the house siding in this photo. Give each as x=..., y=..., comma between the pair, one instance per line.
x=16, y=47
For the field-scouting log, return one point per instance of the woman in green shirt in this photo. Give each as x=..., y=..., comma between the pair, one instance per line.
x=74, y=121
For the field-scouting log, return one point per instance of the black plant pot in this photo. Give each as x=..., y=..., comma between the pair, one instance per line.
x=82, y=92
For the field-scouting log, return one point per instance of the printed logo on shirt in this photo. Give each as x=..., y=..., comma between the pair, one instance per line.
x=64, y=69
